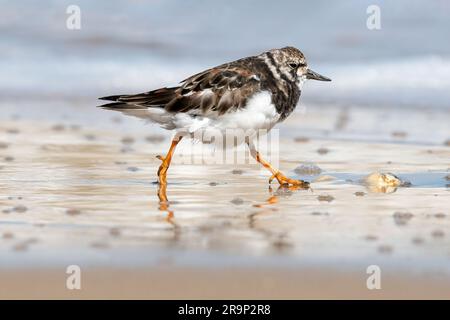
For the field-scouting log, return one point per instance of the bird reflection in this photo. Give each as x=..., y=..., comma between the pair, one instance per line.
x=164, y=202
x=164, y=205
x=284, y=191
x=277, y=238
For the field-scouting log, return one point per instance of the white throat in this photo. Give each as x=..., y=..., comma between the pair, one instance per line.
x=300, y=81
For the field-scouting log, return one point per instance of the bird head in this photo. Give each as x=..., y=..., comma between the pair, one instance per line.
x=292, y=63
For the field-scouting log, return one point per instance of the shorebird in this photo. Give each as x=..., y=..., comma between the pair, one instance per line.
x=254, y=93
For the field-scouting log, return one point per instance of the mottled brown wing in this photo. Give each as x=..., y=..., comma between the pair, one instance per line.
x=219, y=89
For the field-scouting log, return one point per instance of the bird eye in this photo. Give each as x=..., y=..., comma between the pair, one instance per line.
x=294, y=65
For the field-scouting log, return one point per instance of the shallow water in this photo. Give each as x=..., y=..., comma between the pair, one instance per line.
x=413, y=180
x=70, y=198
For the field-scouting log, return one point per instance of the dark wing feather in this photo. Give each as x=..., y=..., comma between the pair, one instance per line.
x=222, y=89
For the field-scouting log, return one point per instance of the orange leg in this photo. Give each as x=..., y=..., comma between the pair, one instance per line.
x=162, y=171
x=276, y=174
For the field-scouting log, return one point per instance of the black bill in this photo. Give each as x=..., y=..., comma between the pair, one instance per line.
x=315, y=76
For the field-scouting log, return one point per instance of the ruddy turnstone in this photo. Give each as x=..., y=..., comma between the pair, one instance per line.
x=253, y=93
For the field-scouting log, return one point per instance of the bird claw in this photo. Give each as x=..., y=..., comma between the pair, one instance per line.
x=286, y=182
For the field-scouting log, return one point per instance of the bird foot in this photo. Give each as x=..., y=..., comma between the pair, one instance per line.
x=286, y=182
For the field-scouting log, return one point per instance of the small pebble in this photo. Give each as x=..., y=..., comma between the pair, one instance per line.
x=237, y=171
x=213, y=184
x=382, y=179
x=59, y=127
x=20, y=209
x=437, y=234
x=8, y=158
x=385, y=249
x=3, y=145
x=371, y=237
x=8, y=235
x=402, y=218
x=301, y=139
x=126, y=149
x=326, y=198
x=399, y=134
x=440, y=215
x=155, y=138
x=322, y=151
x=20, y=247
x=13, y=131
x=417, y=240
x=23, y=246
x=99, y=245
x=133, y=169
x=90, y=137
x=281, y=244
x=237, y=201
x=308, y=169
x=317, y=213
x=127, y=140
x=6, y=211
x=73, y=212
x=206, y=229
x=115, y=232
x=359, y=194
x=406, y=184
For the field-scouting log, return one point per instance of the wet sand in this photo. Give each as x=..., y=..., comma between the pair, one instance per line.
x=234, y=283
x=78, y=193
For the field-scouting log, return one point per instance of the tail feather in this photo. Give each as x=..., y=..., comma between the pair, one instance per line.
x=157, y=98
x=119, y=105
x=111, y=98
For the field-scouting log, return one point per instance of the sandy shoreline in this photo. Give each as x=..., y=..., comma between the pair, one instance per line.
x=77, y=194
x=199, y=283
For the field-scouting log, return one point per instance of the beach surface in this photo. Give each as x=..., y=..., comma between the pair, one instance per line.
x=75, y=193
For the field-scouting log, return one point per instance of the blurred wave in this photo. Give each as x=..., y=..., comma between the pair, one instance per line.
x=421, y=81
x=132, y=46
x=411, y=82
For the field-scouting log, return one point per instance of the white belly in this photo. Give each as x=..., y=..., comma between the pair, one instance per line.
x=258, y=114
x=257, y=118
